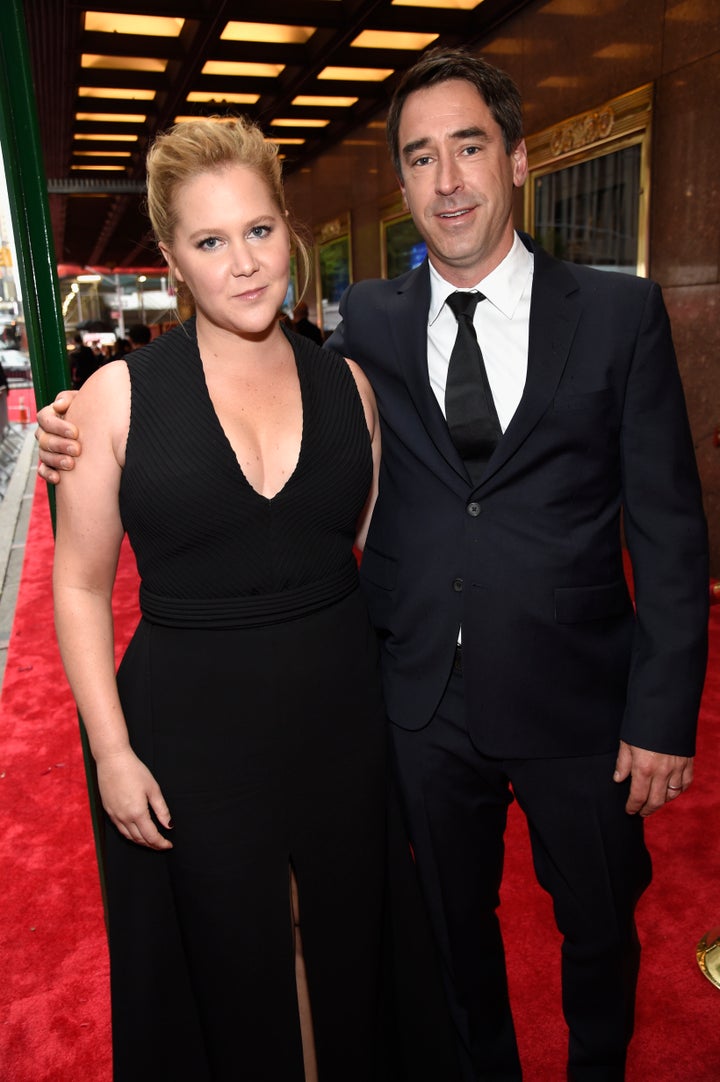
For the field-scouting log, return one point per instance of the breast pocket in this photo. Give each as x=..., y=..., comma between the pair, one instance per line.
x=583, y=424
x=584, y=401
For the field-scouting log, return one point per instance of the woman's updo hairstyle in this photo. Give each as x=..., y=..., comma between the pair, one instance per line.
x=201, y=146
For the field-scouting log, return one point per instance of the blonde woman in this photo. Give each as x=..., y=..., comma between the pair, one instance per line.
x=241, y=749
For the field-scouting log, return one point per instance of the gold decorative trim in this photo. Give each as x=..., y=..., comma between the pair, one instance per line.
x=335, y=234
x=582, y=132
x=332, y=230
x=708, y=956
x=615, y=119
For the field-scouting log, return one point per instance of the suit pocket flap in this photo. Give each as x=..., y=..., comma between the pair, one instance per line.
x=378, y=569
x=574, y=604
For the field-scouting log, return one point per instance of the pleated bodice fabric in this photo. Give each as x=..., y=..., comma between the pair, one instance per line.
x=183, y=490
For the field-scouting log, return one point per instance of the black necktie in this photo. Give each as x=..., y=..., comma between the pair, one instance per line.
x=469, y=406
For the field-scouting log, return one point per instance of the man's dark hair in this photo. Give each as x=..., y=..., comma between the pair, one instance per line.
x=139, y=334
x=494, y=86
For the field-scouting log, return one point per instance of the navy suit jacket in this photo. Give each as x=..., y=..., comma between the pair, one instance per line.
x=556, y=660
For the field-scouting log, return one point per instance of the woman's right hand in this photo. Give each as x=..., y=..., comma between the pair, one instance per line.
x=57, y=438
x=128, y=791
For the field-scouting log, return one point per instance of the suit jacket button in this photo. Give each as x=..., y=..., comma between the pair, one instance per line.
x=457, y=585
x=473, y=509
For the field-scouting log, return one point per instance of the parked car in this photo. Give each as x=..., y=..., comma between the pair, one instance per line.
x=16, y=365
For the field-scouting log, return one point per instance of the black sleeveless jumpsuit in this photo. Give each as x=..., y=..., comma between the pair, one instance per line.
x=251, y=690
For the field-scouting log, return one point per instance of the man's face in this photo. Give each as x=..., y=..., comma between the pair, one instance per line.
x=458, y=179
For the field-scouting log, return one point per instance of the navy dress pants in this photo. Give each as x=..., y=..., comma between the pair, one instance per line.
x=588, y=853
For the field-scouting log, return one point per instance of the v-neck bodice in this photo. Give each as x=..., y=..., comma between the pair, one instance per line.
x=197, y=526
x=302, y=379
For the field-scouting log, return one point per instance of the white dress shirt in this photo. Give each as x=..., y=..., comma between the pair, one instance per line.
x=502, y=326
x=501, y=323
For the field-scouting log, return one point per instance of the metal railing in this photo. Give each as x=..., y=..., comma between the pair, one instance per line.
x=4, y=420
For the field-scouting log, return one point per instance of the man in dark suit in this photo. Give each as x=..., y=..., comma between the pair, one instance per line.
x=561, y=695
x=302, y=324
x=83, y=362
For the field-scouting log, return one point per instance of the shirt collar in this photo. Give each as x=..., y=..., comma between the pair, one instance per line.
x=503, y=287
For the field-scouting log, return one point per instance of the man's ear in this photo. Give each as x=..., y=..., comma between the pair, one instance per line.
x=520, y=164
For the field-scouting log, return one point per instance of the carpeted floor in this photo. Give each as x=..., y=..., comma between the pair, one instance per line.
x=54, y=1011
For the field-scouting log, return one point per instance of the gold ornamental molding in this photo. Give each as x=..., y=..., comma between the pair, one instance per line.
x=338, y=227
x=615, y=120
x=582, y=132
x=708, y=956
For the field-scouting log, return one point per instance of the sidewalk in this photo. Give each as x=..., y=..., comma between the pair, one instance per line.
x=15, y=509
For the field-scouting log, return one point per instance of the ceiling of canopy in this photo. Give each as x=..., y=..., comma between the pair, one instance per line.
x=108, y=77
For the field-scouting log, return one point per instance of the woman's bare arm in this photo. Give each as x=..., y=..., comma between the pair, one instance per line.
x=89, y=534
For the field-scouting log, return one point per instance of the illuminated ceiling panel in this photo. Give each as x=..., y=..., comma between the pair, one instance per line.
x=361, y=75
x=240, y=69
x=391, y=39
x=172, y=59
x=462, y=5
x=123, y=63
x=115, y=92
x=96, y=137
x=114, y=22
x=220, y=96
x=114, y=118
x=324, y=101
x=267, y=32
x=288, y=122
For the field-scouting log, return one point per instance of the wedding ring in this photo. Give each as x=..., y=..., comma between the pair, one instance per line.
x=676, y=787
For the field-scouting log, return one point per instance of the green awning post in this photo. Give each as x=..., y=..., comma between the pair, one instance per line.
x=27, y=188
x=30, y=213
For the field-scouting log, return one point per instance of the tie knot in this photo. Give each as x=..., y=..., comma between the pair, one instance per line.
x=464, y=304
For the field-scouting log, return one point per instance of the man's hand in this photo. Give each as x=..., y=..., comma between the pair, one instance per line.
x=57, y=438
x=656, y=779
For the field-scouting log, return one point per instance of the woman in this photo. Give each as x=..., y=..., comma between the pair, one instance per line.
x=240, y=751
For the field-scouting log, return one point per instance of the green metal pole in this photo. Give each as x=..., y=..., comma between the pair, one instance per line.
x=30, y=213
x=29, y=210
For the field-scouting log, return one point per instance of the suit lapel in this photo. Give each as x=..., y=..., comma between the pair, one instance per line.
x=408, y=316
x=554, y=314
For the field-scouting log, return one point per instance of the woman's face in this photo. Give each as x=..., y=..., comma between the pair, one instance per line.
x=232, y=249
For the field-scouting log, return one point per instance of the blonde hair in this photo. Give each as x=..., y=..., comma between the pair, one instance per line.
x=200, y=146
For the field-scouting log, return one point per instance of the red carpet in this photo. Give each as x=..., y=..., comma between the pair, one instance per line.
x=53, y=980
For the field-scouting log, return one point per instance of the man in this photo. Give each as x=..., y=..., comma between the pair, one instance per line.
x=83, y=362
x=558, y=691
x=560, y=695
x=139, y=334
x=302, y=324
